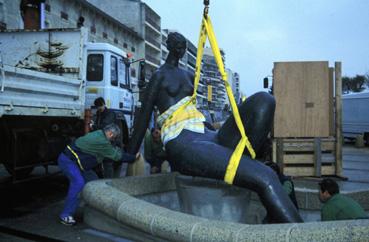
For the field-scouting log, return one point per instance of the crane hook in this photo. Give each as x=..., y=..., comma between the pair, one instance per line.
x=206, y=8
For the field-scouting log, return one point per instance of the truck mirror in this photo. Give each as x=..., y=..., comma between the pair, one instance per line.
x=142, y=75
x=266, y=82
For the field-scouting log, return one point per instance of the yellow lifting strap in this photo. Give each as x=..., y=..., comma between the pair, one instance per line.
x=76, y=156
x=207, y=31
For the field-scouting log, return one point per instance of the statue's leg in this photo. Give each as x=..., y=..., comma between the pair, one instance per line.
x=257, y=114
x=192, y=154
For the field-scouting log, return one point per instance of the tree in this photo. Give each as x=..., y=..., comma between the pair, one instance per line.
x=346, y=86
x=358, y=83
x=354, y=84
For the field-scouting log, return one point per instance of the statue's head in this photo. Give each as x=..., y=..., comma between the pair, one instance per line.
x=176, y=44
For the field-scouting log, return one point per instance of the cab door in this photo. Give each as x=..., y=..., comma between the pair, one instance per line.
x=95, y=76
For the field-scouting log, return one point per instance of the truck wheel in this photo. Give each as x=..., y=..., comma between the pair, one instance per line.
x=6, y=155
x=18, y=173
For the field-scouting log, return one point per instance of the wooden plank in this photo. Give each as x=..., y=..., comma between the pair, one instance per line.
x=331, y=102
x=338, y=82
x=308, y=171
x=307, y=146
x=302, y=102
x=296, y=140
x=280, y=154
x=298, y=159
x=274, y=149
x=317, y=157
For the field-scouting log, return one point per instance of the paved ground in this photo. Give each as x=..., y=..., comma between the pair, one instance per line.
x=29, y=211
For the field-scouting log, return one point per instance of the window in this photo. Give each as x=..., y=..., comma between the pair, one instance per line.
x=125, y=45
x=133, y=72
x=114, y=71
x=63, y=15
x=133, y=49
x=95, y=70
x=123, y=79
x=105, y=35
x=93, y=29
x=47, y=7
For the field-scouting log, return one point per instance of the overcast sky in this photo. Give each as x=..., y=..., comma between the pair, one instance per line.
x=256, y=33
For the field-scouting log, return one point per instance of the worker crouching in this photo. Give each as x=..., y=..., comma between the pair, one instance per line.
x=78, y=159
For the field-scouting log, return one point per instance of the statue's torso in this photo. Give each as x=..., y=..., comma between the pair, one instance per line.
x=174, y=84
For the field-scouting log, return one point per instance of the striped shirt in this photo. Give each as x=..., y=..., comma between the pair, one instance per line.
x=189, y=118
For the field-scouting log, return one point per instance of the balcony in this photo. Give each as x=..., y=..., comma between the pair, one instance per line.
x=152, y=22
x=191, y=60
x=152, y=59
x=152, y=41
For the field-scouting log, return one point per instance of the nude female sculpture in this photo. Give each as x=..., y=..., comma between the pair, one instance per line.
x=206, y=153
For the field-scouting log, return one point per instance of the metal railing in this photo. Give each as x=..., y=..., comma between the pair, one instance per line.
x=152, y=41
x=152, y=59
x=152, y=23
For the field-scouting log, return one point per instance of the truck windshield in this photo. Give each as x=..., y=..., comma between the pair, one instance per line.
x=95, y=63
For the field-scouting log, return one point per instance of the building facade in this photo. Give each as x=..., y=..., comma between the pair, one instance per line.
x=234, y=82
x=139, y=17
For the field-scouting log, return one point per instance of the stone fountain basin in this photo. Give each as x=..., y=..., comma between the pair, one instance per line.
x=146, y=208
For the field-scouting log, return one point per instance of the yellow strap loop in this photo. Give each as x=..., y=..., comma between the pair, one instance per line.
x=77, y=157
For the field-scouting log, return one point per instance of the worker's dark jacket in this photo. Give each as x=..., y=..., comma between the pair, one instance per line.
x=153, y=150
x=104, y=118
x=92, y=148
x=291, y=193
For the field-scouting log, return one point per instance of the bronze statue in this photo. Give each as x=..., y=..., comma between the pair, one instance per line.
x=197, y=151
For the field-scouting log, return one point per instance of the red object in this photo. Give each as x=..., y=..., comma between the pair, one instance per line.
x=88, y=118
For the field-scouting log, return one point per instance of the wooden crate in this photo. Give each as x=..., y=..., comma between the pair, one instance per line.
x=303, y=93
x=308, y=104
x=305, y=156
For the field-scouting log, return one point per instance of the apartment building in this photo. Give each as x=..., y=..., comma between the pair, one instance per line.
x=234, y=82
x=213, y=80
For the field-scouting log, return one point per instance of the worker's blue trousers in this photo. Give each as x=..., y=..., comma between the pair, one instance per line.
x=77, y=180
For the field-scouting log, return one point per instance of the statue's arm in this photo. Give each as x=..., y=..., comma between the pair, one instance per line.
x=142, y=119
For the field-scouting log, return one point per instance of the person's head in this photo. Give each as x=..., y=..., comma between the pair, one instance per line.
x=111, y=131
x=155, y=132
x=328, y=188
x=99, y=104
x=176, y=44
x=274, y=166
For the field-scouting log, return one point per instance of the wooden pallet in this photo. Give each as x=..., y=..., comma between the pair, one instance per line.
x=305, y=156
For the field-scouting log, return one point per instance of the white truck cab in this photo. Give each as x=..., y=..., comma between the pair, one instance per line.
x=107, y=76
x=48, y=78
